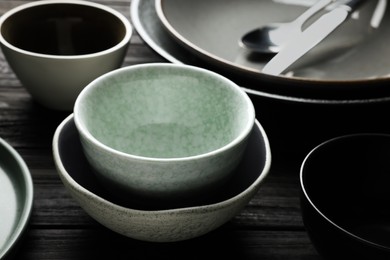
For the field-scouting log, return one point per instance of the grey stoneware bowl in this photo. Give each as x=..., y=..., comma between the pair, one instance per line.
x=346, y=197
x=56, y=47
x=163, y=132
x=161, y=224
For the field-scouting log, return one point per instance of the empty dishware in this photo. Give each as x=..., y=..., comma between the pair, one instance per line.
x=353, y=53
x=162, y=223
x=57, y=47
x=163, y=132
x=346, y=197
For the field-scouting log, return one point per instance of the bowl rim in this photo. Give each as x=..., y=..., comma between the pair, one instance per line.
x=204, y=207
x=122, y=43
x=312, y=204
x=250, y=111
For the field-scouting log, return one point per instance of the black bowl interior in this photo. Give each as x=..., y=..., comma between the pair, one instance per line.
x=83, y=29
x=347, y=179
x=76, y=165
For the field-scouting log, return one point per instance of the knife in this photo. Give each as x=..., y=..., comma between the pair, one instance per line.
x=314, y=34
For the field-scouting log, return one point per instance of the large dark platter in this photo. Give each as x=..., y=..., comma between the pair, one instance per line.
x=346, y=65
x=294, y=123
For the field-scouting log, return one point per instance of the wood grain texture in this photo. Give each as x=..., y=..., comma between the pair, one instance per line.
x=226, y=242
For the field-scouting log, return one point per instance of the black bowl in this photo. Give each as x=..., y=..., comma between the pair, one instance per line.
x=345, y=197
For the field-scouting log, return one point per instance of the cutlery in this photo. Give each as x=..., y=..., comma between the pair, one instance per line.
x=270, y=38
x=300, y=44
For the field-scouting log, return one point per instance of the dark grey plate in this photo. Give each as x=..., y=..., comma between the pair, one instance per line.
x=302, y=89
x=16, y=197
x=212, y=30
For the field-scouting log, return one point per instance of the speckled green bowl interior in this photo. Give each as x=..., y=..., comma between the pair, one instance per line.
x=165, y=111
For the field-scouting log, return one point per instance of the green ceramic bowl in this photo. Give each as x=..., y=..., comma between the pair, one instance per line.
x=163, y=131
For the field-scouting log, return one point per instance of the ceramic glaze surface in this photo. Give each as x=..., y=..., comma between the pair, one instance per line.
x=162, y=223
x=162, y=131
x=165, y=113
x=16, y=199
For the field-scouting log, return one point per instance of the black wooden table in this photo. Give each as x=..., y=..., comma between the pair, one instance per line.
x=270, y=227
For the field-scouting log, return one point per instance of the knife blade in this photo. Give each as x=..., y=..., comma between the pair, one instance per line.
x=300, y=44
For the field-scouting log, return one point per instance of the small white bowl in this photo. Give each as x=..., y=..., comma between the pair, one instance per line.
x=163, y=131
x=163, y=224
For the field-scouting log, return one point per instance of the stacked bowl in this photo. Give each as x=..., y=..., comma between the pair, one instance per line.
x=175, y=150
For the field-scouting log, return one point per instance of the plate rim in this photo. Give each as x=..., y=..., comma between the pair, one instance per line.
x=138, y=25
x=25, y=215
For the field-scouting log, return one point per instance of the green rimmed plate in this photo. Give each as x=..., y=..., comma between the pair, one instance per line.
x=16, y=197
